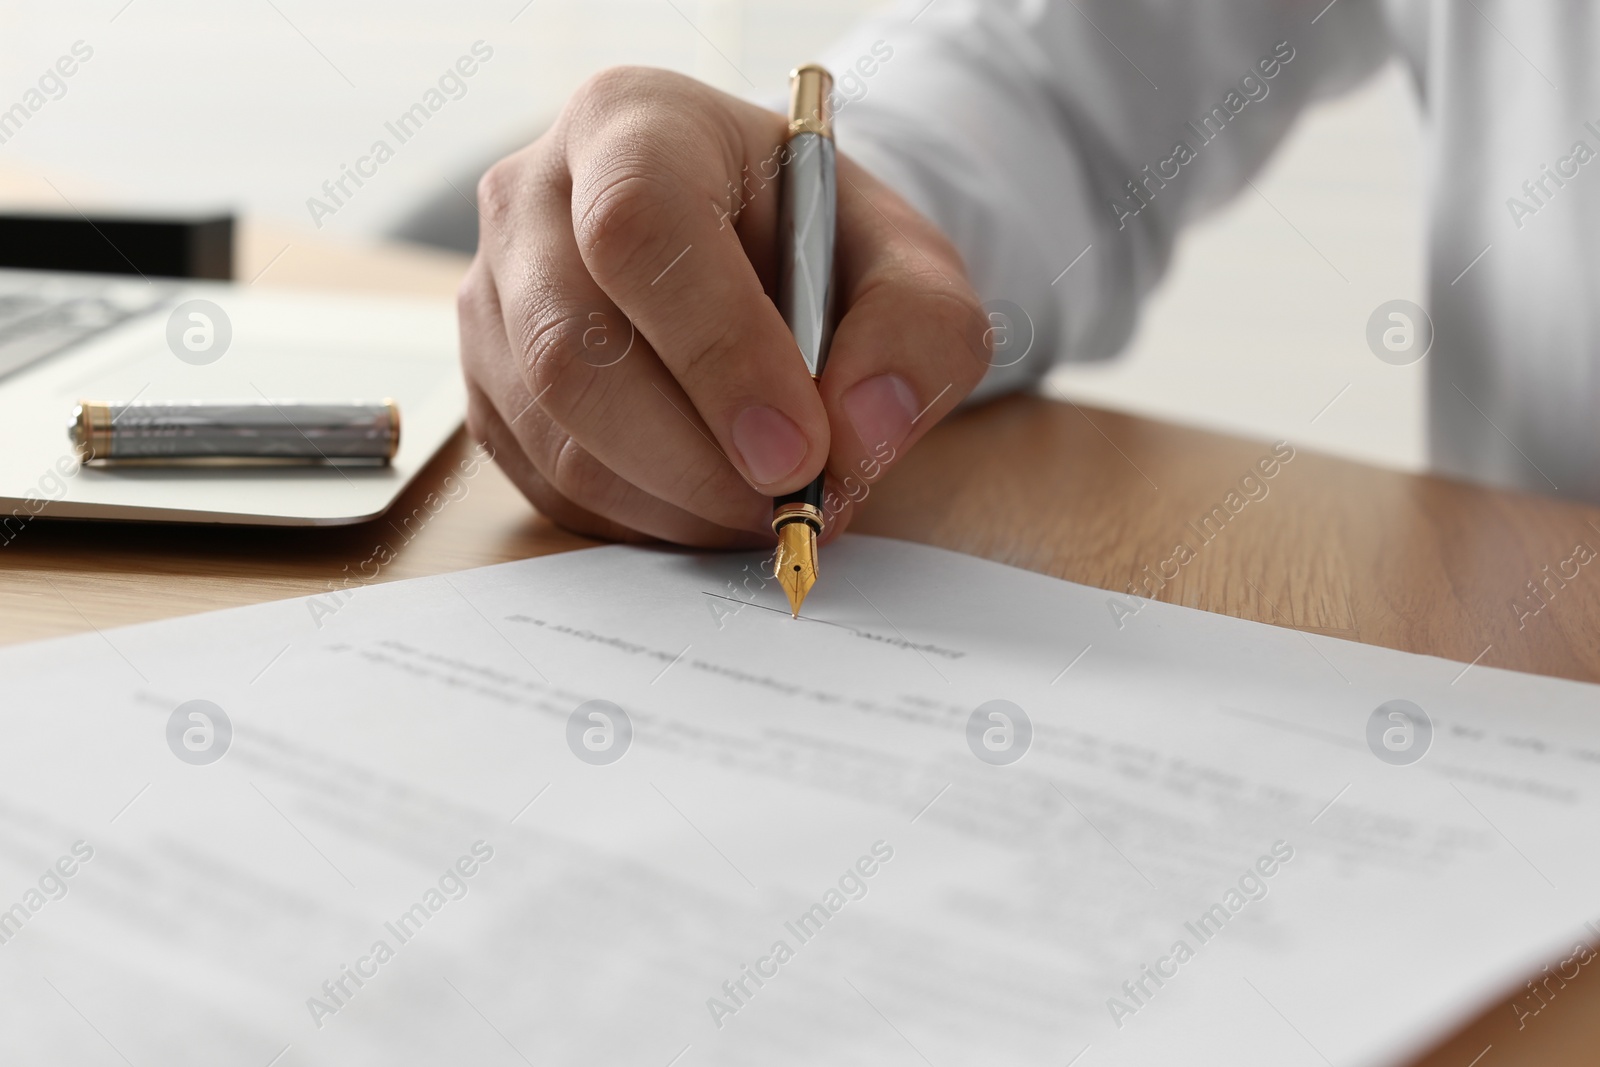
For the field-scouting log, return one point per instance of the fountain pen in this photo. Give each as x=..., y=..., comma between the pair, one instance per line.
x=807, y=206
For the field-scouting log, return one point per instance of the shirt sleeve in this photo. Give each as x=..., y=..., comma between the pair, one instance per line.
x=1061, y=144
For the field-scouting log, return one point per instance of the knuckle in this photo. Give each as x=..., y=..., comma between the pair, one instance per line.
x=497, y=192
x=606, y=89
x=563, y=467
x=473, y=299
x=579, y=477
x=551, y=360
x=539, y=483
x=531, y=178
x=619, y=223
x=550, y=340
x=645, y=139
x=705, y=364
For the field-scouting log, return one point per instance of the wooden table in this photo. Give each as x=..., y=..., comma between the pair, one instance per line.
x=1339, y=548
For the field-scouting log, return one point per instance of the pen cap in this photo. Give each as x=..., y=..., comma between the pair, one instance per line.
x=256, y=430
x=810, y=108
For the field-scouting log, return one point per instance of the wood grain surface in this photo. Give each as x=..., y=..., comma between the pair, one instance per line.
x=1324, y=545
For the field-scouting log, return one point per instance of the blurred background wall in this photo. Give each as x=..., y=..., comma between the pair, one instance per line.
x=253, y=104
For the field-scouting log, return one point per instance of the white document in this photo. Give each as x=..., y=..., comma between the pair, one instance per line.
x=778, y=842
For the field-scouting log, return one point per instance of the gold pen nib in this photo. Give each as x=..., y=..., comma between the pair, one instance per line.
x=795, y=565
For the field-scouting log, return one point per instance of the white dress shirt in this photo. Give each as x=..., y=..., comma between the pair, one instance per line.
x=1031, y=130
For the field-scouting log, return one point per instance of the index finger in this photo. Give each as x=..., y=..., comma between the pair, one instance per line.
x=649, y=229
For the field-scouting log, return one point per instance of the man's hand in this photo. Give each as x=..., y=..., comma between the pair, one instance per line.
x=623, y=359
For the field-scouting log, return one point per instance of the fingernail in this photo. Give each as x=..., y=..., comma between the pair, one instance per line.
x=769, y=443
x=881, y=410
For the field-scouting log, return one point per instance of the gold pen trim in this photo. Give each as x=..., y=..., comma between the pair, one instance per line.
x=91, y=430
x=394, y=426
x=810, y=109
x=807, y=513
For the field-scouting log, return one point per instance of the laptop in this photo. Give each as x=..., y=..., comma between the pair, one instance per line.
x=66, y=337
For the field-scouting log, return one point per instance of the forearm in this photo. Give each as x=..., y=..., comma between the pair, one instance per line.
x=1062, y=146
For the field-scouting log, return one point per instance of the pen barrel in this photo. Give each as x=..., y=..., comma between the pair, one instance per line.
x=306, y=432
x=807, y=208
